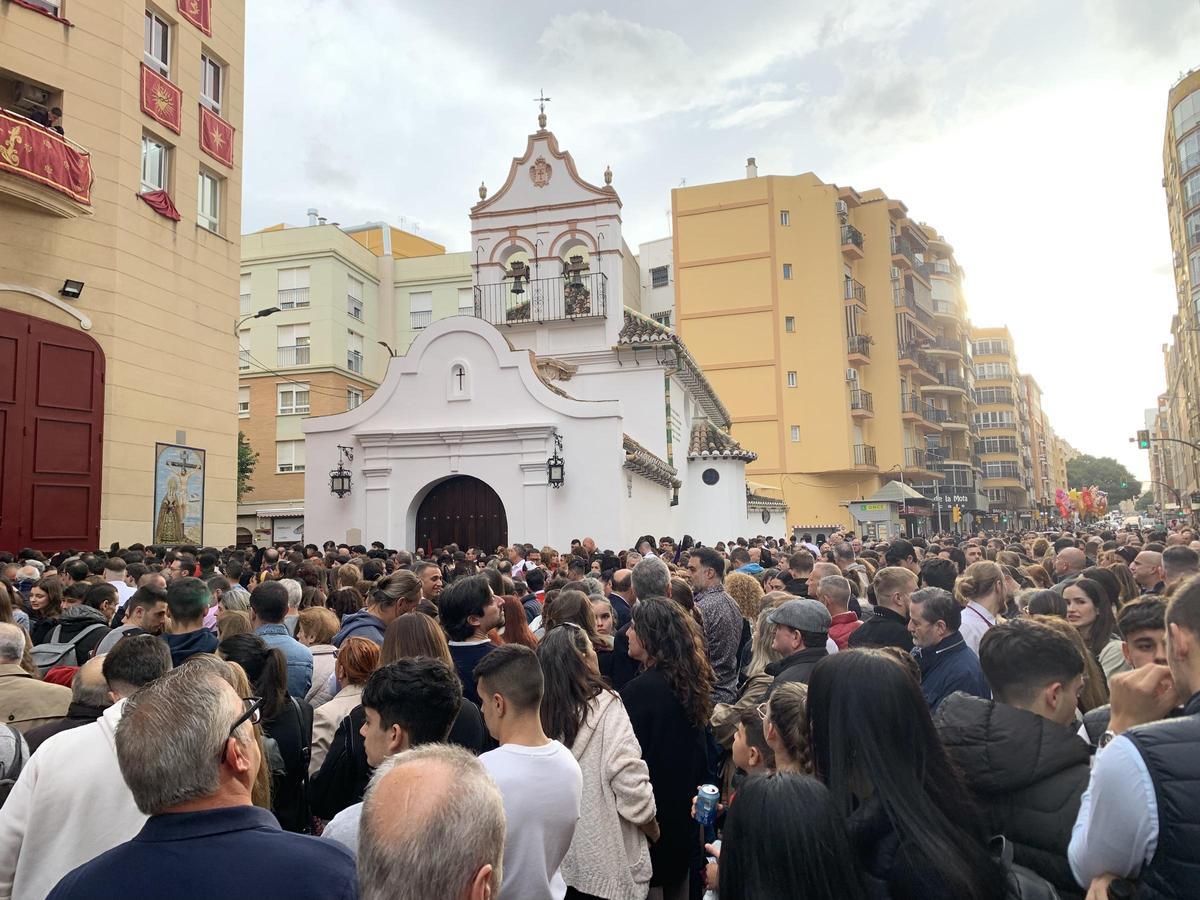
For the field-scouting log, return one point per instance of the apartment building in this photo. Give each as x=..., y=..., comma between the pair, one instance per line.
x=1001, y=419
x=657, y=273
x=1181, y=358
x=322, y=308
x=811, y=309
x=118, y=270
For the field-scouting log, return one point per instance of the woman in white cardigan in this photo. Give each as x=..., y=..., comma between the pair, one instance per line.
x=356, y=659
x=609, y=856
x=315, y=629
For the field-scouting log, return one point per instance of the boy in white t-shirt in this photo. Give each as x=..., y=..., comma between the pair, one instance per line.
x=538, y=778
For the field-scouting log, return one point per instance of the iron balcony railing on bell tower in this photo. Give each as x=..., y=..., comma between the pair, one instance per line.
x=583, y=296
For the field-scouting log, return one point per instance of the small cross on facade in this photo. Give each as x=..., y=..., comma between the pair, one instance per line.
x=541, y=100
x=460, y=375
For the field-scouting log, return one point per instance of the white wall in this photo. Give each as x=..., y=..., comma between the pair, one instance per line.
x=651, y=255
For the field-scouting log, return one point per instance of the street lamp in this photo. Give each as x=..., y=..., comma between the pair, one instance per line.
x=555, y=465
x=339, y=478
x=261, y=314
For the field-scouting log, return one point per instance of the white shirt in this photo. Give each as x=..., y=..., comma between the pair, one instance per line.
x=976, y=620
x=1116, y=830
x=124, y=591
x=343, y=828
x=542, y=788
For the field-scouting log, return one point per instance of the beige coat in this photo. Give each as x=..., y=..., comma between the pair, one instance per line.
x=26, y=702
x=326, y=719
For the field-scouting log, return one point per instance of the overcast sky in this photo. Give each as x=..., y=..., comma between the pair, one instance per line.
x=1029, y=132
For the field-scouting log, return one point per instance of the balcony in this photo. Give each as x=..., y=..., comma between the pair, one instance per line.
x=858, y=348
x=854, y=293
x=920, y=462
x=864, y=455
x=945, y=308
x=543, y=300
x=949, y=383
x=902, y=253
x=914, y=359
x=904, y=298
x=955, y=421
x=292, y=298
x=914, y=409
x=296, y=355
x=862, y=404
x=852, y=242
x=946, y=345
x=43, y=170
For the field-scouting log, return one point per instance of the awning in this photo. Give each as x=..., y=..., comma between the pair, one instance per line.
x=280, y=513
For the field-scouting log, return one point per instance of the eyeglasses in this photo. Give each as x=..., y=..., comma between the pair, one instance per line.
x=253, y=715
x=762, y=710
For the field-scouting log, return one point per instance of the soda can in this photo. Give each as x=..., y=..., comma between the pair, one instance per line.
x=706, y=803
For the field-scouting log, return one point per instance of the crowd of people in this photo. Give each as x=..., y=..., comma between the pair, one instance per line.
x=980, y=716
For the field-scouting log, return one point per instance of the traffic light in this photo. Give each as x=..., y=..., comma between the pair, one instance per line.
x=1124, y=484
x=1143, y=439
x=955, y=514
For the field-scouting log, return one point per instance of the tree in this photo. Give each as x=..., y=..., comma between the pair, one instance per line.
x=1144, y=502
x=247, y=459
x=1105, y=473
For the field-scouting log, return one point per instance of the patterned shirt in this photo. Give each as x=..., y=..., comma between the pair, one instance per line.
x=723, y=632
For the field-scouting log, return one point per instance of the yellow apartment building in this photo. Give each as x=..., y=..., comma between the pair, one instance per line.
x=1001, y=422
x=119, y=254
x=1181, y=182
x=322, y=306
x=811, y=309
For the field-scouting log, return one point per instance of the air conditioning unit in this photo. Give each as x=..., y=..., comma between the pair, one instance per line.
x=895, y=274
x=852, y=375
x=843, y=211
x=30, y=96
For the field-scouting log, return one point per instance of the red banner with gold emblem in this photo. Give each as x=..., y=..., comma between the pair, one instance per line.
x=216, y=136
x=44, y=156
x=161, y=100
x=198, y=12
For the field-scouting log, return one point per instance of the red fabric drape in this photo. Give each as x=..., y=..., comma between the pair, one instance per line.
x=42, y=155
x=216, y=136
x=198, y=12
x=160, y=202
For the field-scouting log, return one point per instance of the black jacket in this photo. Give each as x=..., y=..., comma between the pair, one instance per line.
x=795, y=668
x=73, y=620
x=1026, y=773
x=883, y=629
x=77, y=714
x=675, y=753
x=291, y=729
x=622, y=667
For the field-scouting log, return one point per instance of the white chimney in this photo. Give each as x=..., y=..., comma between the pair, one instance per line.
x=751, y=168
x=312, y=215
x=320, y=220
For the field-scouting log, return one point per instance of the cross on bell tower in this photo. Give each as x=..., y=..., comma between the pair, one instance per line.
x=541, y=100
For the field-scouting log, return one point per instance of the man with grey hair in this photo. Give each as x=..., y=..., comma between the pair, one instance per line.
x=25, y=702
x=432, y=826
x=295, y=591
x=649, y=578
x=834, y=592
x=187, y=750
x=948, y=663
x=70, y=803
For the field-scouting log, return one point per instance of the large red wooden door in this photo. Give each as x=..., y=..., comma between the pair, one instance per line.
x=51, y=420
x=465, y=511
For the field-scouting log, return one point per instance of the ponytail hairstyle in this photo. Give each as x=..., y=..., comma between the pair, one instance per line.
x=402, y=585
x=789, y=722
x=979, y=580
x=266, y=667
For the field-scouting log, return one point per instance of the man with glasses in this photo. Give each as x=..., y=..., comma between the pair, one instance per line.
x=186, y=748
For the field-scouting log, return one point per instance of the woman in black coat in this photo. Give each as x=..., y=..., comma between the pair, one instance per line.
x=669, y=706
x=286, y=721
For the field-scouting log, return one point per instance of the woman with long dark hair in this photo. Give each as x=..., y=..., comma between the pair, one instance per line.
x=785, y=839
x=1089, y=610
x=913, y=826
x=45, y=606
x=288, y=722
x=609, y=856
x=669, y=706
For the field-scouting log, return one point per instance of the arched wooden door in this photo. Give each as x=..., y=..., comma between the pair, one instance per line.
x=462, y=510
x=51, y=421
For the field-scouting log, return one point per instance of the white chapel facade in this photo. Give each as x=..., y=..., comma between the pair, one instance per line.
x=458, y=443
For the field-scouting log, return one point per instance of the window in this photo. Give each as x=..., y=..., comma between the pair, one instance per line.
x=785, y=218
x=243, y=403
x=293, y=399
x=662, y=318
x=1189, y=152
x=1192, y=226
x=354, y=295
x=992, y=370
x=1002, y=419
x=293, y=344
x=354, y=352
x=996, y=445
x=660, y=276
x=157, y=45
x=991, y=348
x=420, y=309
x=210, y=83
x=293, y=288
x=50, y=6
x=1001, y=470
x=244, y=349
x=289, y=456
x=787, y=270
x=466, y=301
x=354, y=398
x=154, y=165
x=1186, y=114
x=795, y=434
x=993, y=395
x=789, y=324
x=791, y=379
x=244, y=296
x=208, y=204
